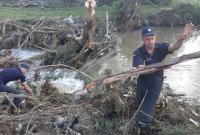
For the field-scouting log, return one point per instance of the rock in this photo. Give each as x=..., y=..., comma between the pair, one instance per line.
x=69, y=20
x=59, y=120
x=19, y=127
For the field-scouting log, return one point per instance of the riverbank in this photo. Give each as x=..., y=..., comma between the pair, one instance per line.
x=133, y=16
x=174, y=14
x=107, y=109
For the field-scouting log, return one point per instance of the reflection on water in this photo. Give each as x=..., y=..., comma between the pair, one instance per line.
x=183, y=78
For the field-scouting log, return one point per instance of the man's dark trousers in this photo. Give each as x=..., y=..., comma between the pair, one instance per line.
x=149, y=89
x=7, y=89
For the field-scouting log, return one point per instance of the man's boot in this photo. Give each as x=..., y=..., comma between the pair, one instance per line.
x=156, y=131
x=14, y=110
x=142, y=130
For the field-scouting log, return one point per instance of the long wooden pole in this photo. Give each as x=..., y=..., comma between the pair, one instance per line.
x=147, y=69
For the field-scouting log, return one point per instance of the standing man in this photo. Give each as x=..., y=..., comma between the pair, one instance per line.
x=14, y=74
x=149, y=85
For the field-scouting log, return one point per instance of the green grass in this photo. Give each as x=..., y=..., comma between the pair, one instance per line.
x=177, y=2
x=34, y=13
x=149, y=9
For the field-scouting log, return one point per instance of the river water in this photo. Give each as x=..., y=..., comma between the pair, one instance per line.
x=183, y=78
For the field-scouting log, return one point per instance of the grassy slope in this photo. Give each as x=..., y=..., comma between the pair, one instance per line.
x=33, y=13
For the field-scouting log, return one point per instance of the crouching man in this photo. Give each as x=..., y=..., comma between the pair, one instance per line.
x=15, y=74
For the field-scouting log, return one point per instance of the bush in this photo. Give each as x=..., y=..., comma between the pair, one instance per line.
x=188, y=13
x=157, y=2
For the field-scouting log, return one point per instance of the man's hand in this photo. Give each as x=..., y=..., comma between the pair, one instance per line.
x=27, y=88
x=30, y=93
x=140, y=66
x=188, y=30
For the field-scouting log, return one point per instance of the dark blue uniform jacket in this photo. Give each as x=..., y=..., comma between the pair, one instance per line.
x=142, y=57
x=11, y=74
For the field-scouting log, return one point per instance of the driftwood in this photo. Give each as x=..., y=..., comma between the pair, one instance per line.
x=147, y=69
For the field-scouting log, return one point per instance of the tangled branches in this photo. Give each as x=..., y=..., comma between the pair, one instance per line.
x=6, y=60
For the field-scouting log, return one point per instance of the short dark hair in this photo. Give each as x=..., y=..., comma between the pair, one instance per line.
x=24, y=65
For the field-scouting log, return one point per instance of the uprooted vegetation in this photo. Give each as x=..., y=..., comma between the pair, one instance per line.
x=105, y=110
x=61, y=40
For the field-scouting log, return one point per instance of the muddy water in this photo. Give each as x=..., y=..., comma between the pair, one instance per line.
x=182, y=78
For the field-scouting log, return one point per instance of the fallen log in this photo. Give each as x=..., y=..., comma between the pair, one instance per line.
x=147, y=69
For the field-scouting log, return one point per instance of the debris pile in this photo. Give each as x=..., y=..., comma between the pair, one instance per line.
x=64, y=40
x=6, y=60
x=107, y=110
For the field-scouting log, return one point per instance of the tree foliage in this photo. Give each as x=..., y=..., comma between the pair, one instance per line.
x=157, y=2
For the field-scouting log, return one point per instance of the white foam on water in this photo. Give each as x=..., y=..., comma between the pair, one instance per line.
x=25, y=53
x=68, y=85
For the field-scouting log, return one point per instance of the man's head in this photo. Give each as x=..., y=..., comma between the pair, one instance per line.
x=149, y=37
x=24, y=67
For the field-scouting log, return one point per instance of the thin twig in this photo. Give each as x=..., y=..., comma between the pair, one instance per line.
x=131, y=120
x=34, y=28
x=11, y=102
x=51, y=51
x=19, y=96
x=18, y=26
x=64, y=66
x=27, y=127
x=34, y=126
x=80, y=53
x=107, y=47
x=72, y=131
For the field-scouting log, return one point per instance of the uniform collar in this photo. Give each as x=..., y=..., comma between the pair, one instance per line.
x=20, y=70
